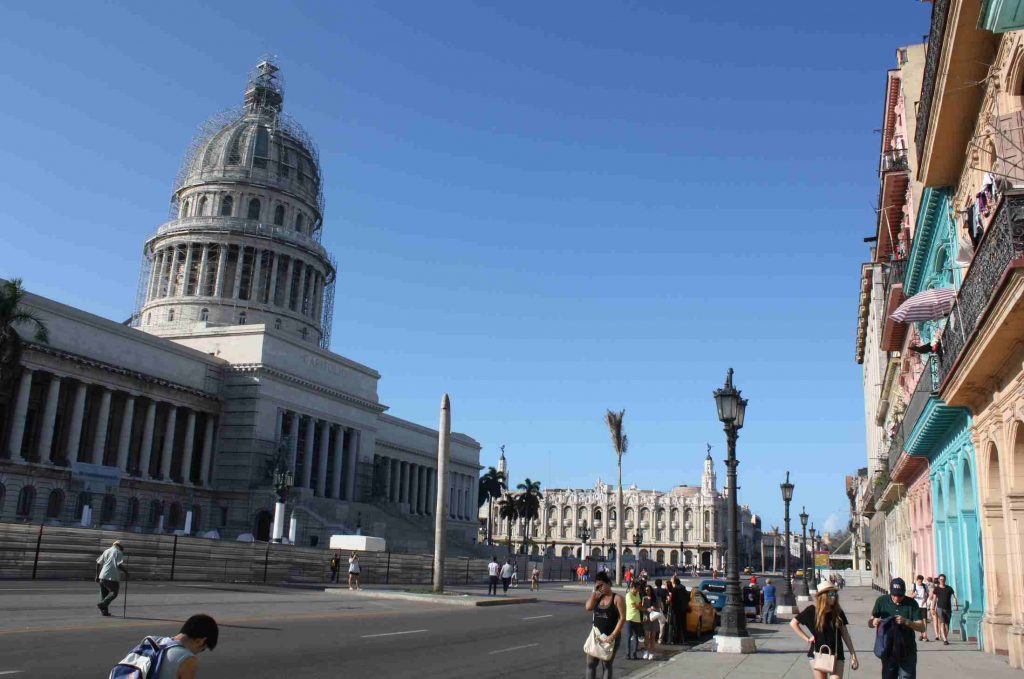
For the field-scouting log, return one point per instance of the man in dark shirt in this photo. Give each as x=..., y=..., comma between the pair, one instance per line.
x=909, y=619
x=680, y=607
x=944, y=598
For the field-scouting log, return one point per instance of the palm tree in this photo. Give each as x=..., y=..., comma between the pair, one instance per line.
x=508, y=510
x=620, y=442
x=13, y=314
x=492, y=485
x=529, y=504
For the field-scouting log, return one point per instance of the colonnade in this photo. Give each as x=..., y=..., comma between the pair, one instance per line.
x=240, y=272
x=61, y=429
x=323, y=454
x=413, y=486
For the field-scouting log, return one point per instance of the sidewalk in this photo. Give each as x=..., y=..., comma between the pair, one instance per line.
x=781, y=655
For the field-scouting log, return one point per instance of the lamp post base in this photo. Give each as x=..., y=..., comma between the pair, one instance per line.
x=788, y=611
x=724, y=644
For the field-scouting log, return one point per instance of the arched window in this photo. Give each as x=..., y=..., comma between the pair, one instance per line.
x=597, y=515
x=254, y=209
x=277, y=324
x=201, y=212
x=84, y=498
x=279, y=215
x=227, y=206
x=262, y=148
x=300, y=221
x=285, y=160
x=108, y=508
x=241, y=318
x=149, y=318
x=611, y=515
x=155, y=511
x=305, y=333
x=174, y=517
x=26, y=500
x=55, y=504
x=170, y=314
x=131, y=514
x=204, y=315
x=235, y=147
x=184, y=210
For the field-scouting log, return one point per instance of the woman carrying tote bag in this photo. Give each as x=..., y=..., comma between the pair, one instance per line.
x=828, y=626
x=603, y=638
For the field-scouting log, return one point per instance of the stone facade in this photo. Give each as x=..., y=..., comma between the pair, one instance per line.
x=184, y=413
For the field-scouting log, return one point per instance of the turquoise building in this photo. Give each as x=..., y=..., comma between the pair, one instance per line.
x=942, y=434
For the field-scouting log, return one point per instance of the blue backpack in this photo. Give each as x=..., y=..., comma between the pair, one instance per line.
x=144, y=660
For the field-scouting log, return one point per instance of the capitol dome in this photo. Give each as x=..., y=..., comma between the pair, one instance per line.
x=243, y=243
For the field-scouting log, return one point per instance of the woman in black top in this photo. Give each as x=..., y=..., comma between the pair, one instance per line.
x=609, y=614
x=828, y=626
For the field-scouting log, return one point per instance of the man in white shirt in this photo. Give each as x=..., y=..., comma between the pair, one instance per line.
x=506, y=576
x=492, y=577
x=109, y=569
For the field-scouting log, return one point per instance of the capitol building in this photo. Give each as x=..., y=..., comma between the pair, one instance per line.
x=684, y=526
x=171, y=422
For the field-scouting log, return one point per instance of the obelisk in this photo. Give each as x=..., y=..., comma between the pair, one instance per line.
x=444, y=435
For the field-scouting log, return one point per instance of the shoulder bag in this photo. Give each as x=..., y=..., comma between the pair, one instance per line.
x=824, y=657
x=598, y=645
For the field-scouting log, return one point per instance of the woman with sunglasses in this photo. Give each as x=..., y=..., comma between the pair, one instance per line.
x=828, y=627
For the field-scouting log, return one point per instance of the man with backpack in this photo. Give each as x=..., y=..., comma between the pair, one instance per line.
x=921, y=595
x=109, y=570
x=170, y=657
x=335, y=566
x=896, y=617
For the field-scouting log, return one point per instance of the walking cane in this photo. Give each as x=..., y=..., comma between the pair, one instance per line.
x=124, y=611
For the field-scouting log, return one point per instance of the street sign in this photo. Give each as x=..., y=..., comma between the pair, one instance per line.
x=821, y=559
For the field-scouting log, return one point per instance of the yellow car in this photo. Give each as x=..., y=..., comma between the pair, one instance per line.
x=799, y=573
x=701, y=617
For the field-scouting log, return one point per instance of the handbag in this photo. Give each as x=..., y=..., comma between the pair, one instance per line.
x=824, y=660
x=598, y=645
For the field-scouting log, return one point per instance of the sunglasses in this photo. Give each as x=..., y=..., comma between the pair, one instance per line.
x=832, y=595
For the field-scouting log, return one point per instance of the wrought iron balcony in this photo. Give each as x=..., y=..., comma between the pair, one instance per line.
x=1001, y=244
x=936, y=36
x=926, y=388
x=895, y=161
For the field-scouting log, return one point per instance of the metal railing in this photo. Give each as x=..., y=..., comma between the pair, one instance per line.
x=245, y=227
x=895, y=161
x=1001, y=244
x=936, y=36
x=925, y=389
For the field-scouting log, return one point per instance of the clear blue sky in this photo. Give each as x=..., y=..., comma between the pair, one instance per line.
x=545, y=209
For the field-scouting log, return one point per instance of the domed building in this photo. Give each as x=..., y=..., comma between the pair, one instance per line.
x=173, y=422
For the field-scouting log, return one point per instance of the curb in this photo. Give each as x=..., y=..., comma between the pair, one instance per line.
x=446, y=599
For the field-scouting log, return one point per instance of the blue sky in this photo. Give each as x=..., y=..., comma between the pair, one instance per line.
x=545, y=209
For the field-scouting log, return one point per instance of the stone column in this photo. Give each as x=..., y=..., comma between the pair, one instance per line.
x=293, y=433
x=236, y=288
x=99, y=440
x=285, y=302
x=414, y=490
x=403, y=481
x=424, y=473
x=49, y=421
x=156, y=274
x=204, y=268
x=352, y=446
x=20, y=414
x=307, y=460
x=204, y=460
x=337, y=489
x=146, y=451
x=188, y=270
x=395, y=483
x=189, y=447
x=257, y=274
x=431, y=491
x=124, y=441
x=168, y=451
x=222, y=262
x=272, y=293
x=321, y=469
x=77, y=419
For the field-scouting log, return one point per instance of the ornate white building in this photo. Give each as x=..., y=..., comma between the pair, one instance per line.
x=224, y=366
x=683, y=526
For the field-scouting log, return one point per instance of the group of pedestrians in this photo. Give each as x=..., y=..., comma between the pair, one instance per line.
x=938, y=601
x=354, y=569
x=648, y=614
x=508, y=574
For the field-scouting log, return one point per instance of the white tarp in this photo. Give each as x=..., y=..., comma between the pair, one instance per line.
x=357, y=543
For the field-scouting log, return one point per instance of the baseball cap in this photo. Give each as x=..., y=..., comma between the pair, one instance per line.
x=897, y=587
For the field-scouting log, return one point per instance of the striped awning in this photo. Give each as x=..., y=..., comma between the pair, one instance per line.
x=929, y=305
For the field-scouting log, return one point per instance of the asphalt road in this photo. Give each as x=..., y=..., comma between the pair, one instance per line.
x=54, y=630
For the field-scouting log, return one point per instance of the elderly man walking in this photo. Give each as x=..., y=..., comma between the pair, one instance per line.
x=109, y=572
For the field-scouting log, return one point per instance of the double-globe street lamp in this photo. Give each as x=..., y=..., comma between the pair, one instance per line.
x=732, y=636
x=814, y=567
x=802, y=590
x=787, y=603
x=638, y=540
x=584, y=535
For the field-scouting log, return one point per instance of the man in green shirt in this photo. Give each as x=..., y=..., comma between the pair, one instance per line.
x=909, y=619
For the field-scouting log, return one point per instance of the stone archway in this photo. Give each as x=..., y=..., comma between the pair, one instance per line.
x=264, y=519
x=705, y=560
x=659, y=556
x=673, y=557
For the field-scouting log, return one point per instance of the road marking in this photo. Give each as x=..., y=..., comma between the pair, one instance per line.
x=391, y=634
x=11, y=671
x=538, y=617
x=514, y=648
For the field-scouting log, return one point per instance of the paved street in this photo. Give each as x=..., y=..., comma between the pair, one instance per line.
x=278, y=632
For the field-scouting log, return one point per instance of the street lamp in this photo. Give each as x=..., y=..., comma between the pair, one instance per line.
x=775, y=549
x=584, y=535
x=638, y=540
x=803, y=551
x=687, y=535
x=786, y=601
x=282, y=478
x=733, y=637
x=814, y=566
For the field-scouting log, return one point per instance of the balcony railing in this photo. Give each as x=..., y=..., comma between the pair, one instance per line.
x=237, y=225
x=936, y=35
x=926, y=388
x=894, y=272
x=1001, y=244
x=895, y=161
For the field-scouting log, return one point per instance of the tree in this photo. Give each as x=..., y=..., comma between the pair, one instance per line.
x=508, y=511
x=12, y=315
x=529, y=500
x=492, y=485
x=620, y=442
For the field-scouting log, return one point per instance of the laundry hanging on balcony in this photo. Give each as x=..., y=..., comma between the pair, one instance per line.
x=929, y=305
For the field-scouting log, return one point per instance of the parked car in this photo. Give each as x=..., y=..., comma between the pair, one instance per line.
x=714, y=590
x=701, y=616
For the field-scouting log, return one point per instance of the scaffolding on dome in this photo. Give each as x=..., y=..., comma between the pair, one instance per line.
x=141, y=290
x=327, y=318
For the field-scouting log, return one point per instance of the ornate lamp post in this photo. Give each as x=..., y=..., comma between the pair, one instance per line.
x=775, y=549
x=801, y=585
x=638, y=540
x=282, y=477
x=732, y=637
x=786, y=601
x=814, y=568
x=584, y=535
x=688, y=526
